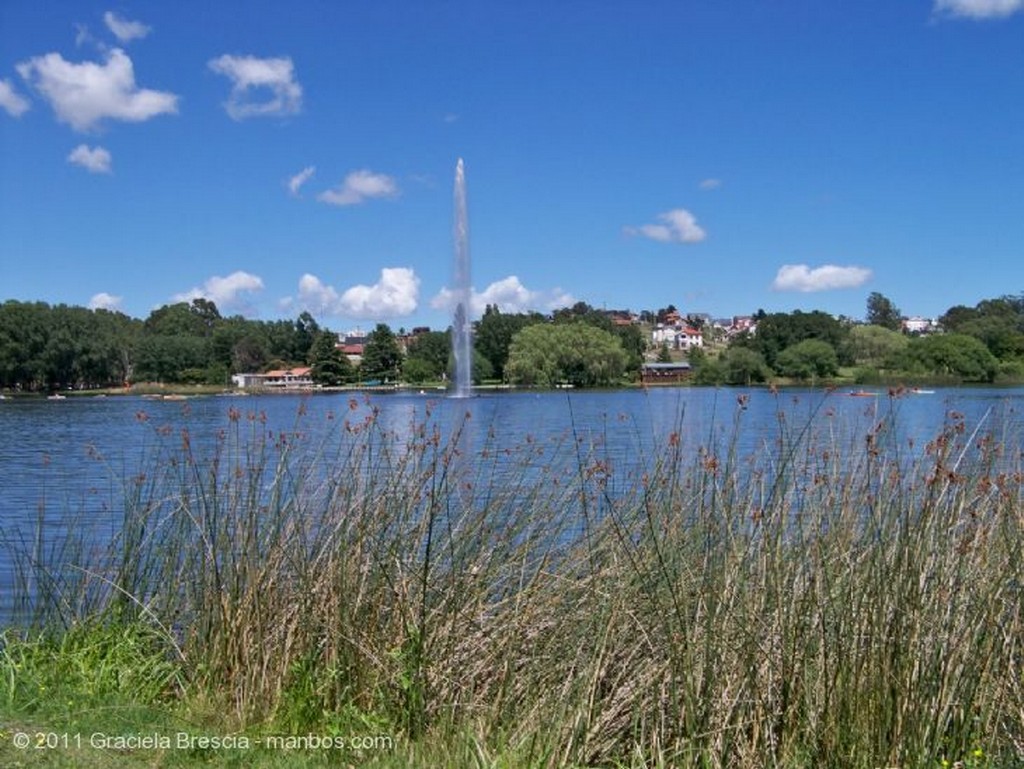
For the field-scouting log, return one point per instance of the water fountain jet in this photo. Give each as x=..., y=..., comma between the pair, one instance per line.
x=462, y=330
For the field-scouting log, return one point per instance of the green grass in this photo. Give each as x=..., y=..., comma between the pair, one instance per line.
x=834, y=599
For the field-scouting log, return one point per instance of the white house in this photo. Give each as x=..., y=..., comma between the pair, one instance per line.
x=918, y=325
x=678, y=336
x=298, y=378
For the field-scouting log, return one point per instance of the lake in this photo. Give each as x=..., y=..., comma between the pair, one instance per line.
x=65, y=462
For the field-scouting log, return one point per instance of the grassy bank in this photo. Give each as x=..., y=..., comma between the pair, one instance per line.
x=833, y=599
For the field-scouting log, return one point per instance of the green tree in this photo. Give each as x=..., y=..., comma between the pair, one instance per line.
x=417, y=371
x=494, y=332
x=777, y=331
x=634, y=343
x=664, y=354
x=809, y=359
x=23, y=337
x=382, y=357
x=953, y=354
x=331, y=367
x=306, y=332
x=882, y=312
x=429, y=355
x=742, y=366
x=166, y=357
x=184, y=319
x=249, y=353
x=482, y=368
x=874, y=345
x=574, y=353
x=631, y=337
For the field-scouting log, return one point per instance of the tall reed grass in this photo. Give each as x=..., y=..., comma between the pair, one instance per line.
x=834, y=598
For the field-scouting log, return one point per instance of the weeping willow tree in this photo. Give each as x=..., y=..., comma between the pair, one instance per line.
x=566, y=353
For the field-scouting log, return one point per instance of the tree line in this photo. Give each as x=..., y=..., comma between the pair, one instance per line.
x=56, y=347
x=976, y=344
x=44, y=347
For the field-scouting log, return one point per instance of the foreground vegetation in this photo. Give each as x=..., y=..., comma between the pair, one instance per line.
x=838, y=598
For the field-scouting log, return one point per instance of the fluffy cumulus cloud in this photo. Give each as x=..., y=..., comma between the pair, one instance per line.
x=394, y=295
x=105, y=301
x=259, y=87
x=509, y=295
x=314, y=296
x=83, y=95
x=978, y=9
x=675, y=226
x=96, y=160
x=359, y=186
x=232, y=292
x=800, y=277
x=295, y=182
x=125, y=31
x=13, y=103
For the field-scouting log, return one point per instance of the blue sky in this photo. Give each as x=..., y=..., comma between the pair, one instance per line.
x=720, y=156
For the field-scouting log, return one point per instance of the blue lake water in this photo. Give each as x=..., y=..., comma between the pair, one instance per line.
x=67, y=460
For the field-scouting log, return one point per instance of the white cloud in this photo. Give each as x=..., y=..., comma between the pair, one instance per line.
x=83, y=95
x=710, y=184
x=227, y=293
x=800, y=277
x=394, y=295
x=678, y=226
x=315, y=296
x=14, y=104
x=249, y=74
x=978, y=9
x=125, y=31
x=509, y=295
x=94, y=159
x=105, y=301
x=359, y=186
x=295, y=182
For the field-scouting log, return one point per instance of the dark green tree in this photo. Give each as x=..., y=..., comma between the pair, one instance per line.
x=184, y=319
x=430, y=356
x=957, y=355
x=999, y=323
x=494, y=332
x=777, y=331
x=382, y=357
x=331, y=367
x=634, y=343
x=882, y=312
x=306, y=332
x=810, y=359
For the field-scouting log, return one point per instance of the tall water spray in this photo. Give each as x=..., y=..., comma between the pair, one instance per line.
x=462, y=331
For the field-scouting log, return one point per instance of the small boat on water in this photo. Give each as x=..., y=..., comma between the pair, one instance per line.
x=919, y=391
x=56, y=397
x=861, y=394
